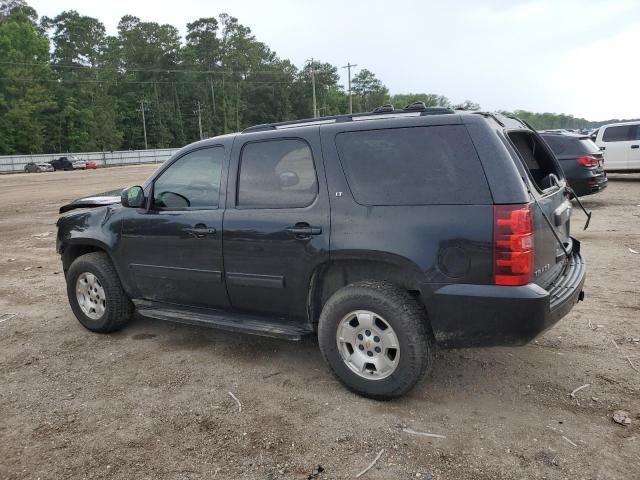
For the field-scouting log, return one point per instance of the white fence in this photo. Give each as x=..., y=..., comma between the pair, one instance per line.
x=16, y=163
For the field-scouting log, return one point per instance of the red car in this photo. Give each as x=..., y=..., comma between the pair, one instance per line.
x=90, y=164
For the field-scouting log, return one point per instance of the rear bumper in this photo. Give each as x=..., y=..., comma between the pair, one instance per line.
x=490, y=315
x=587, y=185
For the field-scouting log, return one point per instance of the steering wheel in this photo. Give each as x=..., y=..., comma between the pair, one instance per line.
x=174, y=200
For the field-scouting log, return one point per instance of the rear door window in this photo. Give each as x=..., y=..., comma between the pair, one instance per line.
x=277, y=174
x=413, y=166
x=620, y=133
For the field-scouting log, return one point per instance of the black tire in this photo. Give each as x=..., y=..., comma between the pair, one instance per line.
x=118, y=310
x=406, y=317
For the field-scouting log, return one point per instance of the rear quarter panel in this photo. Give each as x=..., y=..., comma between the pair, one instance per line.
x=434, y=244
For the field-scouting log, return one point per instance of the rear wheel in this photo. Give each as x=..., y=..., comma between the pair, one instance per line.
x=375, y=338
x=96, y=295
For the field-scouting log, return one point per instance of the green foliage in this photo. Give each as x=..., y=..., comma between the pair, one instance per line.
x=25, y=96
x=89, y=90
x=368, y=91
x=430, y=100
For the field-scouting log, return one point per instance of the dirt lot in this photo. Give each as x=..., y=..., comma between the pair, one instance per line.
x=152, y=401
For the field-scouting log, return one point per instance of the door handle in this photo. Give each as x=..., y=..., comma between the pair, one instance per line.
x=635, y=146
x=304, y=230
x=200, y=230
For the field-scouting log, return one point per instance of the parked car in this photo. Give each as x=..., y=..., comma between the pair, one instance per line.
x=620, y=143
x=90, y=164
x=33, y=167
x=78, y=164
x=62, y=163
x=387, y=233
x=581, y=160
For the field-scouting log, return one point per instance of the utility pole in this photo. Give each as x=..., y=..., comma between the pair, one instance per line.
x=213, y=97
x=313, y=85
x=348, y=67
x=237, y=107
x=200, y=120
x=144, y=123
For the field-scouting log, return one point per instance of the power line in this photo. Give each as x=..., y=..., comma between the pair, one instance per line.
x=141, y=82
x=150, y=70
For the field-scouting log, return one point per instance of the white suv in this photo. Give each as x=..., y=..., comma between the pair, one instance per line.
x=620, y=143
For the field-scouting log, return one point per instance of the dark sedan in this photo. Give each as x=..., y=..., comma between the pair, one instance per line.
x=581, y=161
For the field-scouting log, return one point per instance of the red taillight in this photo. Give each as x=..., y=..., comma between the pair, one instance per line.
x=587, y=161
x=512, y=244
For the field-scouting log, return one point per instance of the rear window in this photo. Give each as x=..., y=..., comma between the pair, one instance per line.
x=564, y=145
x=413, y=166
x=621, y=133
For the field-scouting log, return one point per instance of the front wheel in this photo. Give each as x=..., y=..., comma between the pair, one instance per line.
x=96, y=295
x=376, y=339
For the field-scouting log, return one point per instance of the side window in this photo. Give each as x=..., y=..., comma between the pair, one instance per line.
x=413, y=166
x=193, y=181
x=620, y=133
x=276, y=174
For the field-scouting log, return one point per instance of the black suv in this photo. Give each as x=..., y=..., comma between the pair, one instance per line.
x=581, y=161
x=387, y=233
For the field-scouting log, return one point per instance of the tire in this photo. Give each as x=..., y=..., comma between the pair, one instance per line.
x=116, y=305
x=392, y=307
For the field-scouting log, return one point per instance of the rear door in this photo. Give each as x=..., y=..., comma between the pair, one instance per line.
x=616, y=142
x=633, y=162
x=276, y=225
x=552, y=202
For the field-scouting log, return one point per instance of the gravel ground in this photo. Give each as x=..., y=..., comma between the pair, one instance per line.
x=152, y=401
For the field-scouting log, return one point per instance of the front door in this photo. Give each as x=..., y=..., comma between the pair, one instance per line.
x=276, y=224
x=173, y=250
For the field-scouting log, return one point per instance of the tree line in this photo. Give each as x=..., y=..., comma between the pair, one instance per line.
x=68, y=86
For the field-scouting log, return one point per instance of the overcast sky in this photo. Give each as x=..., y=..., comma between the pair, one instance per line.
x=578, y=57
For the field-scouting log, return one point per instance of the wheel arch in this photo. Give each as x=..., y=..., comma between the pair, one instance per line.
x=328, y=277
x=76, y=247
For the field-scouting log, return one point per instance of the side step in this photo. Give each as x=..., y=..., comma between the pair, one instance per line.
x=230, y=321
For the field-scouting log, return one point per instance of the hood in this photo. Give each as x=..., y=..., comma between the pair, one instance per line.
x=97, y=200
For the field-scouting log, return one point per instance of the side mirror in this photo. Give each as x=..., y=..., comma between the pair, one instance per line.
x=132, y=197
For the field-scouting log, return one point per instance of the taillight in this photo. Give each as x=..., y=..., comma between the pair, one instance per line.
x=587, y=161
x=512, y=244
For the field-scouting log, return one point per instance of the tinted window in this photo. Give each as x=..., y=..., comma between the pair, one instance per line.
x=621, y=133
x=193, y=181
x=277, y=174
x=566, y=145
x=589, y=146
x=558, y=144
x=413, y=166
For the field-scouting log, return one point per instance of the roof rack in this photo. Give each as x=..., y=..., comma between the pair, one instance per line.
x=490, y=115
x=385, y=111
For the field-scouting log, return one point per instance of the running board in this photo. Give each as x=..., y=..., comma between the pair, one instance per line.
x=230, y=321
